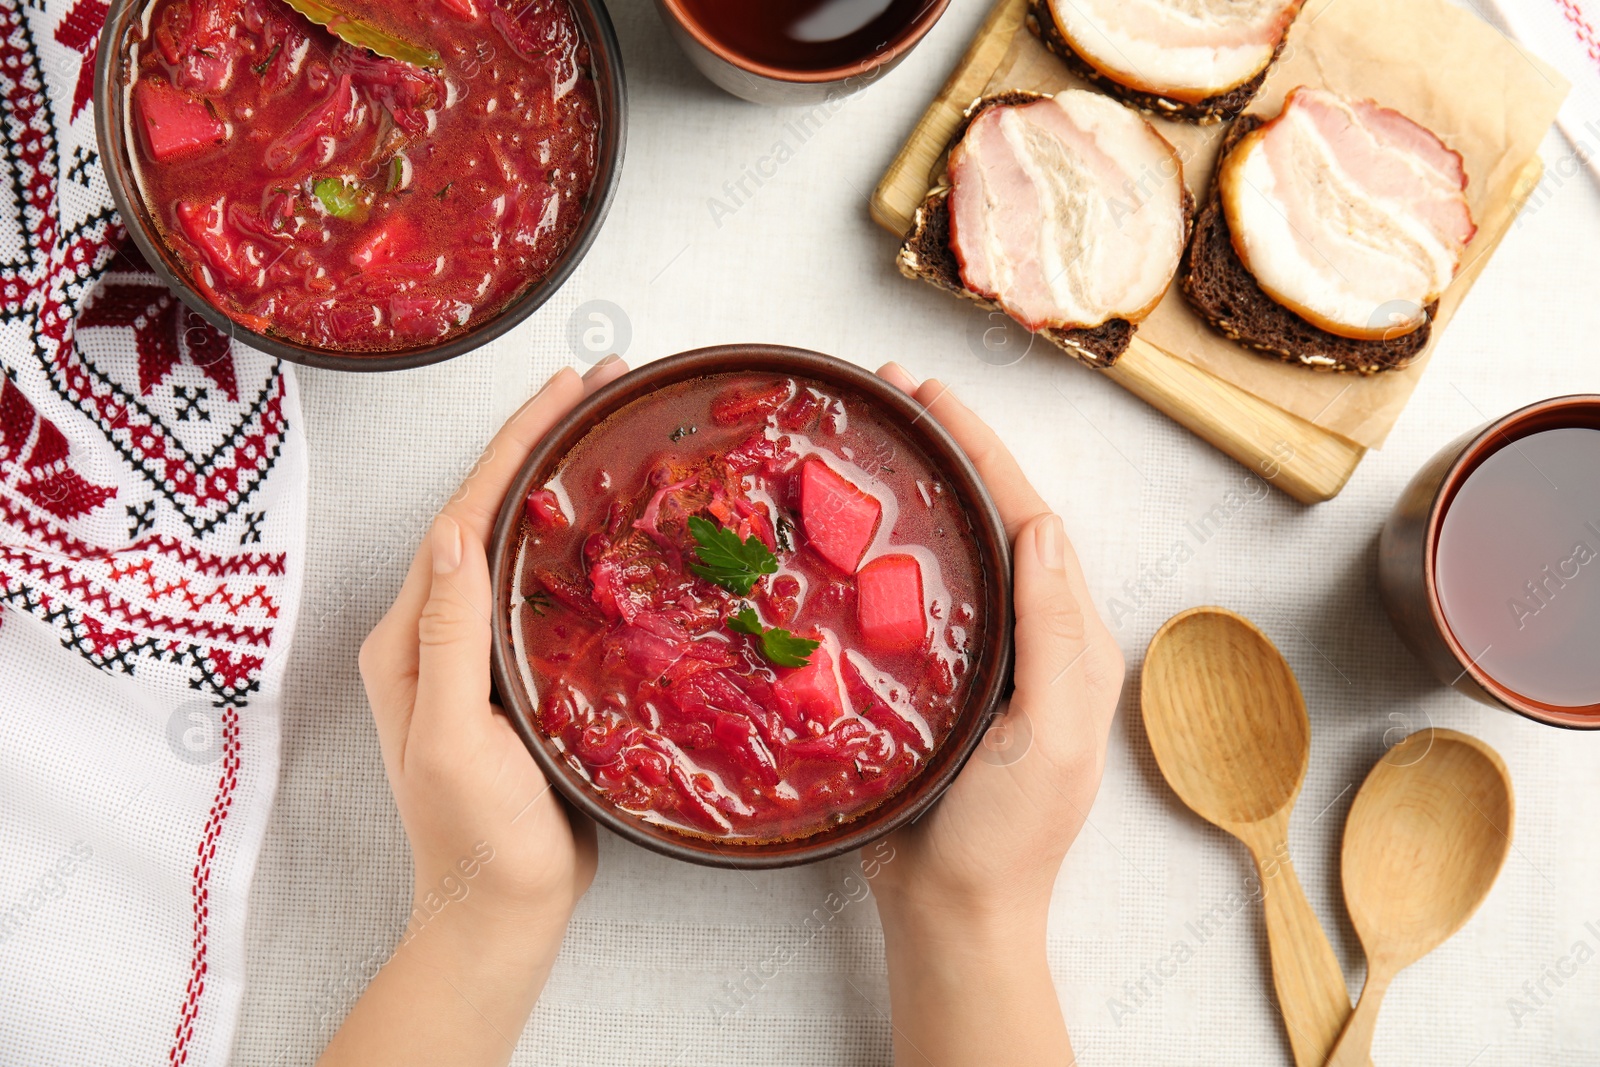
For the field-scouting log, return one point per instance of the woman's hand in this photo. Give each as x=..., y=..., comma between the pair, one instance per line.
x=500, y=861
x=965, y=897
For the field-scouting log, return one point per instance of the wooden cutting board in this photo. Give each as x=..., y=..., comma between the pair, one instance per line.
x=1309, y=463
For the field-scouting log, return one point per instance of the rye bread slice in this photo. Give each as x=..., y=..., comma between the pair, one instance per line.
x=1221, y=288
x=1208, y=112
x=925, y=254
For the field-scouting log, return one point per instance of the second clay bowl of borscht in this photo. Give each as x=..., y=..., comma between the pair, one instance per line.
x=355, y=207
x=753, y=607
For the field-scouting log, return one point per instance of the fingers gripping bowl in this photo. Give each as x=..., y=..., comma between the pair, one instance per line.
x=753, y=607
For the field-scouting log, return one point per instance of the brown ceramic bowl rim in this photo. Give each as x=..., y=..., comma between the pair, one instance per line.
x=908, y=38
x=992, y=673
x=112, y=130
x=1550, y=414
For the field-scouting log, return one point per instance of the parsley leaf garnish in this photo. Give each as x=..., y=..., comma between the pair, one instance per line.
x=780, y=646
x=340, y=200
x=260, y=68
x=729, y=562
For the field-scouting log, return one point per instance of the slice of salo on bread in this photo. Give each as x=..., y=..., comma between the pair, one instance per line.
x=1196, y=60
x=1067, y=212
x=1349, y=214
x=1331, y=232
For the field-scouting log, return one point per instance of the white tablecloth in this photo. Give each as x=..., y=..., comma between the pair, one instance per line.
x=795, y=260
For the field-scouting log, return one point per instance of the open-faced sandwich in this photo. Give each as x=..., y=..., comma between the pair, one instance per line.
x=1196, y=60
x=1067, y=212
x=1330, y=233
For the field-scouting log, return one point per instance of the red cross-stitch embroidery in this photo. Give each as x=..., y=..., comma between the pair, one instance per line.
x=125, y=523
x=80, y=31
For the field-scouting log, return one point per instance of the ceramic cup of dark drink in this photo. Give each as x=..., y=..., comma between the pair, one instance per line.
x=787, y=52
x=1489, y=565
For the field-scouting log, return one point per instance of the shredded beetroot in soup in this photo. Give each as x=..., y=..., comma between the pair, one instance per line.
x=747, y=607
x=321, y=192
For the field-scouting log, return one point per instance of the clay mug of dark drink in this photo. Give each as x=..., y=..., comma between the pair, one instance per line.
x=1489, y=565
x=787, y=52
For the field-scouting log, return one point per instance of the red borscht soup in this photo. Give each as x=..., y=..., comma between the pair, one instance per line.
x=321, y=192
x=747, y=607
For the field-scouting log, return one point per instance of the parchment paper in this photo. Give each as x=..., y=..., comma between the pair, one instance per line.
x=1443, y=66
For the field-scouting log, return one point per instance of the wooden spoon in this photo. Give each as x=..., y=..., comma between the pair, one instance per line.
x=1425, y=841
x=1229, y=730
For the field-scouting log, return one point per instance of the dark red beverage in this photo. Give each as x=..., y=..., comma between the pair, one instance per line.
x=747, y=608
x=320, y=192
x=804, y=35
x=1518, y=566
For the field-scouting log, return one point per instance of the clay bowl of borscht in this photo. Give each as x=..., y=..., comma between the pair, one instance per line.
x=339, y=207
x=753, y=607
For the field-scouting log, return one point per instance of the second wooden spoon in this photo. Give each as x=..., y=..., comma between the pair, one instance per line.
x=1425, y=840
x=1229, y=730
